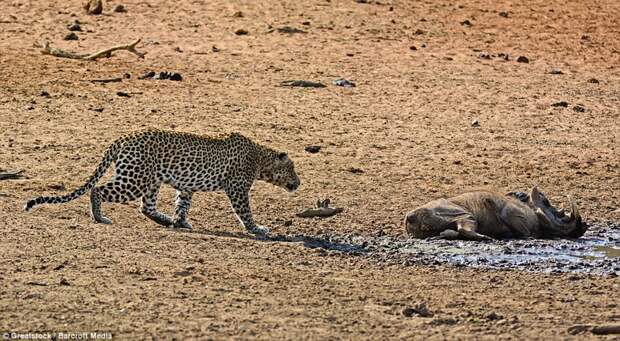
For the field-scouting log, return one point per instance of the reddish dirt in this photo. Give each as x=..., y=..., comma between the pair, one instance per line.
x=407, y=125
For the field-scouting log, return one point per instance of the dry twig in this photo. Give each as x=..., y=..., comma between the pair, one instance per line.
x=6, y=175
x=56, y=52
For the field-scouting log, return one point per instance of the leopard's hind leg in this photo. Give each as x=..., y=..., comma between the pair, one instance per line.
x=118, y=190
x=149, y=206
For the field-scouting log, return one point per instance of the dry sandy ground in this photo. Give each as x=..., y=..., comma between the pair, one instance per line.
x=407, y=126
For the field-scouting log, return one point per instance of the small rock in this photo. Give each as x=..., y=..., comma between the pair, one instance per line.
x=288, y=223
x=485, y=56
x=418, y=32
x=556, y=72
x=355, y=170
x=75, y=27
x=97, y=109
x=412, y=48
x=93, y=7
x=44, y=93
x=578, y=108
x=122, y=94
x=593, y=81
x=560, y=104
x=64, y=282
x=504, y=56
x=503, y=14
x=241, y=32
x=343, y=82
x=313, y=149
x=467, y=23
x=475, y=123
x=215, y=49
x=523, y=59
x=306, y=23
x=238, y=14
x=71, y=36
x=349, y=54
x=120, y=8
x=493, y=316
x=178, y=49
x=408, y=312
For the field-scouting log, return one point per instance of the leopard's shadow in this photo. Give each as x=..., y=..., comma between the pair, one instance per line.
x=311, y=242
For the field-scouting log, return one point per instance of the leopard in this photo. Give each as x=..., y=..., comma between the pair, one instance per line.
x=188, y=162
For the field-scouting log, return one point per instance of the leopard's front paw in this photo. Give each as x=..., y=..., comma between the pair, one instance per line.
x=259, y=230
x=182, y=224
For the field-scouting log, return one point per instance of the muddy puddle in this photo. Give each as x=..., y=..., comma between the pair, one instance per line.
x=597, y=252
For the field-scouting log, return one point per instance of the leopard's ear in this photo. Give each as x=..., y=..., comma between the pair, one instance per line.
x=282, y=157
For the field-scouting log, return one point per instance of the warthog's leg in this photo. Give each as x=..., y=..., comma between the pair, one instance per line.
x=467, y=229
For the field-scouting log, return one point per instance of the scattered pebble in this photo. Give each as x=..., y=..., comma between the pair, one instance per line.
x=419, y=32
x=503, y=14
x=556, y=72
x=44, y=93
x=122, y=94
x=579, y=108
x=523, y=59
x=64, y=282
x=343, y=82
x=302, y=84
x=173, y=76
x=215, y=49
x=593, y=81
x=288, y=223
x=306, y=23
x=467, y=23
x=75, y=27
x=485, y=56
x=561, y=104
x=313, y=149
x=241, y=32
x=475, y=123
x=238, y=14
x=419, y=309
x=71, y=36
x=120, y=8
x=412, y=48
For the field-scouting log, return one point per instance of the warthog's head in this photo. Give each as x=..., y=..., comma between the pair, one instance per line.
x=553, y=223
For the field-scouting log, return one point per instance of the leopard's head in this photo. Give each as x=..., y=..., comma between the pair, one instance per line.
x=280, y=171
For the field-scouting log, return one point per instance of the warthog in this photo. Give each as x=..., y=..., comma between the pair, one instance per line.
x=485, y=215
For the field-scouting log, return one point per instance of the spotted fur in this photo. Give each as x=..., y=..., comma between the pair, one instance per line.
x=189, y=163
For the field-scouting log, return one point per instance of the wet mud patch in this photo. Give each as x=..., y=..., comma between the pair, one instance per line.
x=597, y=252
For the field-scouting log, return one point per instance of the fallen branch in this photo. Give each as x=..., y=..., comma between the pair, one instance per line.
x=322, y=210
x=56, y=52
x=107, y=80
x=11, y=174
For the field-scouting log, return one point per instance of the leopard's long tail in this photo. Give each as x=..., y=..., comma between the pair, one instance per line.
x=110, y=156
